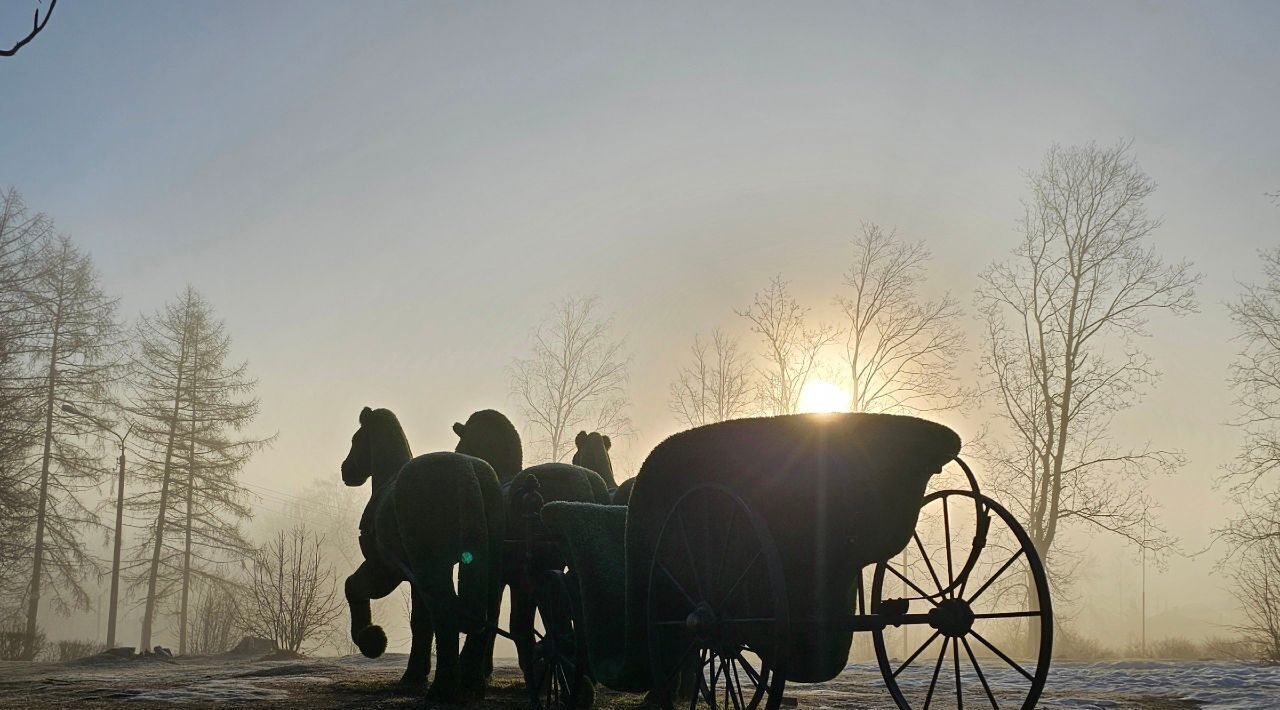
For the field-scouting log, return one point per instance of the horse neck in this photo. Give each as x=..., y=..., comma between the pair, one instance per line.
x=388, y=457
x=604, y=466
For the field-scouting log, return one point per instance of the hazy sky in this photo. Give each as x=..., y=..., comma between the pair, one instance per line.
x=382, y=198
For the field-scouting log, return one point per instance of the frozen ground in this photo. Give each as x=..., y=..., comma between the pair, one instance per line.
x=355, y=681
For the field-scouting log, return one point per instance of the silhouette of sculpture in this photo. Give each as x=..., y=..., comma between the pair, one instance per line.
x=593, y=453
x=425, y=515
x=838, y=492
x=489, y=435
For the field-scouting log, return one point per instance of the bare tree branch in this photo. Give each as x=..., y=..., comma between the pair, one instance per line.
x=36, y=27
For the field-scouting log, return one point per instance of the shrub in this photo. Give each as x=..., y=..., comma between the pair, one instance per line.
x=15, y=645
x=72, y=649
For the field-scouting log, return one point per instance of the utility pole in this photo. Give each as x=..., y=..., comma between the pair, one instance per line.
x=1144, y=588
x=115, y=555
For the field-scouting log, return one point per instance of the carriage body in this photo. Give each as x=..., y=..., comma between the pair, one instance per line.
x=837, y=492
x=753, y=534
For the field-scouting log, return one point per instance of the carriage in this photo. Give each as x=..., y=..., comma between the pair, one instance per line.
x=753, y=550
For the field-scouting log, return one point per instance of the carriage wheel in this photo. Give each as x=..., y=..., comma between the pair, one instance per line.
x=557, y=677
x=717, y=608
x=989, y=634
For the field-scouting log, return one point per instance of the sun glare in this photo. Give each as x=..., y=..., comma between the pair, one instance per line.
x=820, y=396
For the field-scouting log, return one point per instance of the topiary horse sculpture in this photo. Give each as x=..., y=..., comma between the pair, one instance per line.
x=593, y=453
x=489, y=435
x=425, y=515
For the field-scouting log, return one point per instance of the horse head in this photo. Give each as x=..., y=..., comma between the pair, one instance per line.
x=378, y=448
x=488, y=435
x=593, y=453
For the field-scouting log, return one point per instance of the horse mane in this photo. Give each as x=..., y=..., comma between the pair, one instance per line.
x=492, y=437
x=388, y=425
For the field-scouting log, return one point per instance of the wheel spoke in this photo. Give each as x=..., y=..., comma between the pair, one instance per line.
x=724, y=551
x=973, y=660
x=750, y=670
x=927, y=563
x=666, y=572
x=1003, y=657
x=923, y=594
x=955, y=658
x=729, y=594
x=920, y=650
x=740, y=700
x=936, y=668
x=1007, y=614
x=688, y=551
x=946, y=531
x=995, y=576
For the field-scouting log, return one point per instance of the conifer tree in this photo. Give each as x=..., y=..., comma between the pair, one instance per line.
x=191, y=404
x=71, y=344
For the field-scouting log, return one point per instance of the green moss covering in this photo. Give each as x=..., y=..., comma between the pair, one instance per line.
x=837, y=491
x=622, y=496
x=426, y=515
x=489, y=435
x=595, y=535
x=592, y=451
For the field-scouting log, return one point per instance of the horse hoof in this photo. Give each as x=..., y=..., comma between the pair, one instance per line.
x=445, y=692
x=410, y=686
x=371, y=640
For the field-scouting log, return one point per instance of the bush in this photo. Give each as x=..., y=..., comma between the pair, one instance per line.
x=1069, y=644
x=14, y=644
x=72, y=649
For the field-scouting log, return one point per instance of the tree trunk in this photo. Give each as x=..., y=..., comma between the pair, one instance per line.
x=186, y=556
x=149, y=613
x=33, y=601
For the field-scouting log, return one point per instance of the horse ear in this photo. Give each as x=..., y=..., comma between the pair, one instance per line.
x=580, y=439
x=606, y=442
x=458, y=428
x=364, y=415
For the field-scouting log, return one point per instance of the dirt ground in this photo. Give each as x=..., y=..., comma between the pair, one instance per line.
x=323, y=683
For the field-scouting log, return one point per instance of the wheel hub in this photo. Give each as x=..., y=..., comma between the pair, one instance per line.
x=952, y=617
x=701, y=621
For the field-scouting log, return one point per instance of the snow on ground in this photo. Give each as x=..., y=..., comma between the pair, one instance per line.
x=320, y=683
x=1216, y=685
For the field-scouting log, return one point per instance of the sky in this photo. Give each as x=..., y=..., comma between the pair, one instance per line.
x=382, y=199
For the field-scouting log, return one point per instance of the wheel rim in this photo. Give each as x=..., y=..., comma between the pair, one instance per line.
x=558, y=670
x=716, y=606
x=990, y=632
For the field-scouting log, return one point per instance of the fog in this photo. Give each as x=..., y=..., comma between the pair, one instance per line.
x=383, y=201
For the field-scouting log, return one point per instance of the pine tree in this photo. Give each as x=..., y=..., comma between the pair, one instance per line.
x=72, y=346
x=191, y=405
x=21, y=233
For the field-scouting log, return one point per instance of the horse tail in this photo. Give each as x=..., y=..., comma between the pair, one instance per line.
x=477, y=562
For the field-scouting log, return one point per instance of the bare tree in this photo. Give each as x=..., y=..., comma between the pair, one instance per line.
x=1256, y=578
x=37, y=25
x=72, y=345
x=1255, y=377
x=211, y=625
x=715, y=385
x=574, y=379
x=1062, y=317
x=190, y=405
x=292, y=597
x=791, y=347
x=900, y=350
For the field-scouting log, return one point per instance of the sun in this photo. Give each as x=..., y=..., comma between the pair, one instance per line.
x=820, y=396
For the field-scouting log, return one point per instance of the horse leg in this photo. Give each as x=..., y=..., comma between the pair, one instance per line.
x=437, y=590
x=366, y=583
x=523, y=608
x=476, y=659
x=415, y=674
